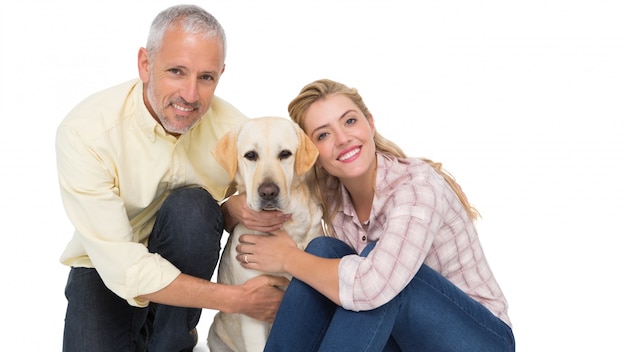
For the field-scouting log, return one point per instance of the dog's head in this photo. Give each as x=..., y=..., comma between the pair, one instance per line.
x=266, y=157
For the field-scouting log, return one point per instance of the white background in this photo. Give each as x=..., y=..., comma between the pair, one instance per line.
x=524, y=102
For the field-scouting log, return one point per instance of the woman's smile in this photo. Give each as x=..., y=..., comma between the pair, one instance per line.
x=350, y=154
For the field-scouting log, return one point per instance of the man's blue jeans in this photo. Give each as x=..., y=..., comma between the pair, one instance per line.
x=430, y=314
x=187, y=232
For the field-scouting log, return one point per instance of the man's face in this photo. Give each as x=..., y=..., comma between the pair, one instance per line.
x=180, y=81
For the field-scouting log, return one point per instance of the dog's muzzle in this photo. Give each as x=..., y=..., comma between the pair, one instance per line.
x=268, y=194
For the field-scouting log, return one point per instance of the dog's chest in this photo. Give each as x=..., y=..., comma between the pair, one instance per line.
x=302, y=231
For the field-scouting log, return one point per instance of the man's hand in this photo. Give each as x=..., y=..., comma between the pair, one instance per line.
x=236, y=210
x=262, y=296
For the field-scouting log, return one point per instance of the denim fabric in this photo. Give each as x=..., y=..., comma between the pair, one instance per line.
x=430, y=314
x=187, y=232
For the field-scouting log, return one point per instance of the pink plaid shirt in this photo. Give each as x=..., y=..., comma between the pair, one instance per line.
x=416, y=218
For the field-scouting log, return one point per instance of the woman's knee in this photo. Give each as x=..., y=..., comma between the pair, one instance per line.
x=328, y=247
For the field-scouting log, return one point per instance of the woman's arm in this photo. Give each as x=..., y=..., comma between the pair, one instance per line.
x=278, y=253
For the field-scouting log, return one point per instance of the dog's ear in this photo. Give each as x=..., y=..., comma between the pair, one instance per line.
x=307, y=153
x=225, y=152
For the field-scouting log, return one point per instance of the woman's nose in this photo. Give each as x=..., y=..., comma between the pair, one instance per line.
x=341, y=137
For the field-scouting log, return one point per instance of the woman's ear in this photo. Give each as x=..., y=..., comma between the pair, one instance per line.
x=371, y=123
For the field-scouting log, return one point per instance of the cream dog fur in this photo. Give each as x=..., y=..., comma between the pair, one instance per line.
x=269, y=159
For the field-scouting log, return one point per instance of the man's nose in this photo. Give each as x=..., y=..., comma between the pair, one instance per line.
x=189, y=90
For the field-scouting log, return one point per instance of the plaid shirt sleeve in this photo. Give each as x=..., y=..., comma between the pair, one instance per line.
x=409, y=223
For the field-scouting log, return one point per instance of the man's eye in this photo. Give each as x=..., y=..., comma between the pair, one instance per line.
x=206, y=77
x=251, y=155
x=284, y=154
x=175, y=71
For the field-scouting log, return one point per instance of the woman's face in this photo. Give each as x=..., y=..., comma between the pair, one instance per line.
x=343, y=135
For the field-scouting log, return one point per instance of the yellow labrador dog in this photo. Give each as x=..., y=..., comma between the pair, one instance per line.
x=269, y=159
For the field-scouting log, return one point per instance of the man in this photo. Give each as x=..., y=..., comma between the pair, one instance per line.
x=140, y=185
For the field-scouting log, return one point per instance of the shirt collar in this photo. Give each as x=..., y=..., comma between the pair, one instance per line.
x=146, y=122
x=384, y=163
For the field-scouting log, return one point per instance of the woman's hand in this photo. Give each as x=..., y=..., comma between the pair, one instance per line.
x=268, y=253
x=236, y=210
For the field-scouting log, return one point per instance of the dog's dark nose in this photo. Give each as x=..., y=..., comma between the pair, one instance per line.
x=268, y=191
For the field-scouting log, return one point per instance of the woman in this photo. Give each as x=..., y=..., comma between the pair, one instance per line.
x=402, y=269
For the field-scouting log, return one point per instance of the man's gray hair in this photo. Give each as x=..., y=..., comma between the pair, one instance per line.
x=190, y=18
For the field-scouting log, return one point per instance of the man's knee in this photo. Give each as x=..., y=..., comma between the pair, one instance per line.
x=188, y=231
x=191, y=209
x=193, y=199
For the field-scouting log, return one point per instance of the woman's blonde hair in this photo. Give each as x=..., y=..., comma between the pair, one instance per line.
x=319, y=90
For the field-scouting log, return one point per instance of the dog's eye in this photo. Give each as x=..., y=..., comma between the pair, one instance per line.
x=284, y=154
x=252, y=156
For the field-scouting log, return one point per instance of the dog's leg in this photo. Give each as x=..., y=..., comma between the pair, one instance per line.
x=214, y=341
x=254, y=333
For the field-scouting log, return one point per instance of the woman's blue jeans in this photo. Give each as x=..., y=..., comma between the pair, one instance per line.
x=430, y=314
x=187, y=232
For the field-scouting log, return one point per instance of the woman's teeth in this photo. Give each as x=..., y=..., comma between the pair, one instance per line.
x=349, y=154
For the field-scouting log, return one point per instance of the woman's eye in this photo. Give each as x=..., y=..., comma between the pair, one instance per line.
x=350, y=121
x=321, y=136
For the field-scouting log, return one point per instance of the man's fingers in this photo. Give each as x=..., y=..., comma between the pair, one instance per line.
x=279, y=281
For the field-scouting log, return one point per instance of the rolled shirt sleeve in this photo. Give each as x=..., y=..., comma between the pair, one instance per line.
x=369, y=282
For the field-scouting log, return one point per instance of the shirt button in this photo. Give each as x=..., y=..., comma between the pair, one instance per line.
x=363, y=238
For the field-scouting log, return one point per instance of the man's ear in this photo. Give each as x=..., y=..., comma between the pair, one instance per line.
x=225, y=152
x=143, y=65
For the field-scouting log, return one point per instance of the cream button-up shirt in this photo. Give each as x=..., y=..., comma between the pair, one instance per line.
x=116, y=165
